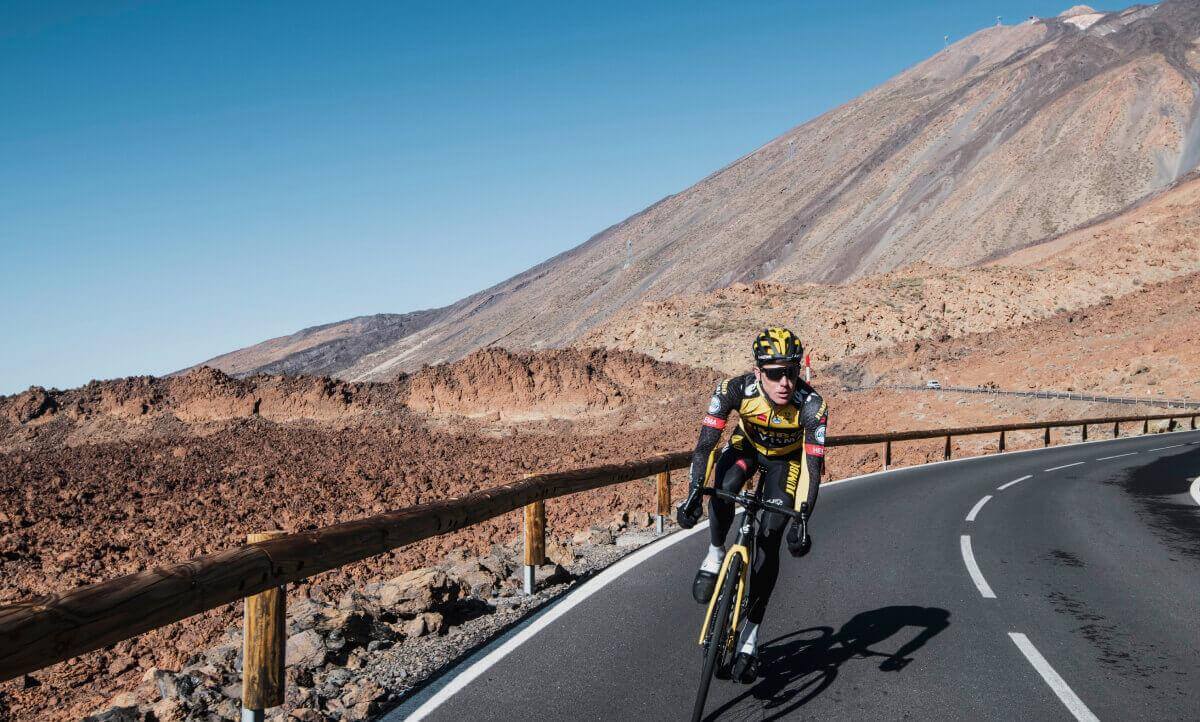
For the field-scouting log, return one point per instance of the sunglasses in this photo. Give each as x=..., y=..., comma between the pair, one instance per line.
x=778, y=373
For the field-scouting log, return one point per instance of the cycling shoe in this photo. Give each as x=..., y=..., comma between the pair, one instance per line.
x=702, y=587
x=745, y=668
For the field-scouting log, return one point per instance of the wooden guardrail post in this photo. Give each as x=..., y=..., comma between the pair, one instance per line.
x=1001, y=441
x=264, y=638
x=1116, y=429
x=663, y=479
x=1083, y=432
x=1046, y=438
x=946, y=454
x=535, y=541
x=1193, y=423
x=887, y=454
x=1145, y=426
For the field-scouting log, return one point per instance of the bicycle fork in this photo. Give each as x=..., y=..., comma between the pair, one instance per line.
x=737, y=550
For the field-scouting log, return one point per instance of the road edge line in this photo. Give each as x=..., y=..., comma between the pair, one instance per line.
x=569, y=601
x=585, y=590
x=994, y=454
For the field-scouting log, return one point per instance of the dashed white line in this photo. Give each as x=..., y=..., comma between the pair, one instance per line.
x=1059, y=686
x=1195, y=489
x=1064, y=466
x=1172, y=446
x=977, y=507
x=973, y=569
x=1117, y=456
x=1002, y=487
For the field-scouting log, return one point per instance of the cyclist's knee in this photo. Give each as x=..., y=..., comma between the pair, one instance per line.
x=771, y=528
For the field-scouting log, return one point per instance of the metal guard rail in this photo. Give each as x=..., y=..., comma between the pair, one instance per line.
x=40, y=632
x=1066, y=395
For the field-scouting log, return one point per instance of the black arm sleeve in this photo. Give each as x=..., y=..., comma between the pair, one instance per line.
x=727, y=395
x=815, y=415
x=704, y=448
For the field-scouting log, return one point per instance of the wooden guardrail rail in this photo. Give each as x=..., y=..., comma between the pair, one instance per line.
x=40, y=632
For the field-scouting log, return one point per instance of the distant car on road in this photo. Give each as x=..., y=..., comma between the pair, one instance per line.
x=932, y=384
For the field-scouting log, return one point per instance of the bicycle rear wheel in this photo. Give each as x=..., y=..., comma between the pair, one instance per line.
x=719, y=632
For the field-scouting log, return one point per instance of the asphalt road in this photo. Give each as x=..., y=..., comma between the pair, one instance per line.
x=1094, y=568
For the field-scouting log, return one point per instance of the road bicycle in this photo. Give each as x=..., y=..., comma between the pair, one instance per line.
x=727, y=608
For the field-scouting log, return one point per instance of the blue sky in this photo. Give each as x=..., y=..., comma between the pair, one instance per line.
x=180, y=179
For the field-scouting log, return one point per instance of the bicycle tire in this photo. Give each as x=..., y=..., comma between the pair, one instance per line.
x=718, y=632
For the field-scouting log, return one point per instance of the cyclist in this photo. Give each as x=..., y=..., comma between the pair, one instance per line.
x=780, y=433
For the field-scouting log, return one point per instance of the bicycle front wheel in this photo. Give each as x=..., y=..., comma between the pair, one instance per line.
x=719, y=633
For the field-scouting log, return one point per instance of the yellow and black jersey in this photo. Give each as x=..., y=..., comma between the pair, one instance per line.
x=796, y=429
x=771, y=430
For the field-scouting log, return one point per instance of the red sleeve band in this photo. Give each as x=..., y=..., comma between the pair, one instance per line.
x=814, y=449
x=714, y=422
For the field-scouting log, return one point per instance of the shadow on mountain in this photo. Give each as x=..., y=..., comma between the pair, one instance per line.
x=799, y=666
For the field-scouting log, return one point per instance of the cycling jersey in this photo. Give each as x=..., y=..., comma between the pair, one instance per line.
x=795, y=430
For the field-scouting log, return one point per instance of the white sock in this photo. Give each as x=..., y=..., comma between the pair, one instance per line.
x=750, y=638
x=712, y=562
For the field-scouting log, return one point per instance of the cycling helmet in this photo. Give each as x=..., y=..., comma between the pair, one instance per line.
x=777, y=345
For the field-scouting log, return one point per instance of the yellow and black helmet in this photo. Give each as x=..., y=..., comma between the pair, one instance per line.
x=777, y=345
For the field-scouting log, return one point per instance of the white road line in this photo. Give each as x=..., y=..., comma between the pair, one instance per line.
x=973, y=569
x=1172, y=446
x=570, y=601
x=975, y=510
x=1064, y=466
x=1195, y=489
x=1106, y=458
x=590, y=587
x=1002, y=487
x=1059, y=686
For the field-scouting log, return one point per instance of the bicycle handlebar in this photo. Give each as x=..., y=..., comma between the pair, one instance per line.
x=753, y=503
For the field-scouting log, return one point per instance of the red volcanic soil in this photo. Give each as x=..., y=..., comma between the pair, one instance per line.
x=120, y=476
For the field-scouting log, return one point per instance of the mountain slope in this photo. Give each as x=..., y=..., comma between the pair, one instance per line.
x=909, y=309
x=1010, y=136
x=325, y=349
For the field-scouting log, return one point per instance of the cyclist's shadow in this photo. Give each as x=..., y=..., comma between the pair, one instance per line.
x=797, y=667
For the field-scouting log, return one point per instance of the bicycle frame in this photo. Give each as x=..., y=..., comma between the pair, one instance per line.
x=745, y=547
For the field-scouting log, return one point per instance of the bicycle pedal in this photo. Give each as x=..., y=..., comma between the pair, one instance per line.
x=745, y=668
x=703, y=586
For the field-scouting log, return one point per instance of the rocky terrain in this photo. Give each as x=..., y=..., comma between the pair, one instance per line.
x=562, y=386
x=1011, y=136
x=1143, y=344
x=1103, y=266
x=354, y=656
x=120, y=476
